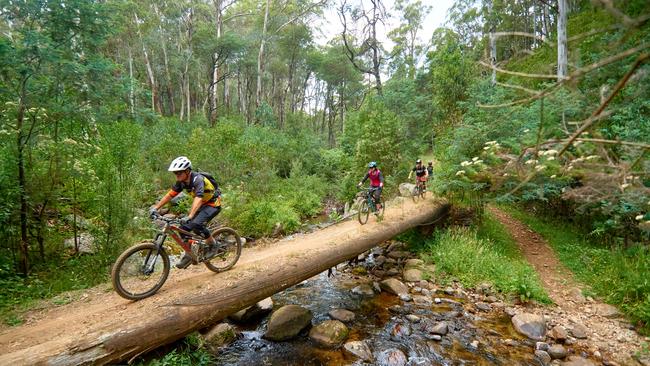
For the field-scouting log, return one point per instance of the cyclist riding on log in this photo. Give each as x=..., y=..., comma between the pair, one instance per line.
x=421, y=174
x=205, y=206
x=376, y=182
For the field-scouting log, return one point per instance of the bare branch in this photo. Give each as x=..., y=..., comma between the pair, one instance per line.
x=615, y=142
x=522, y=34
x=309, y=9
x=621, y=83
x=522, y=74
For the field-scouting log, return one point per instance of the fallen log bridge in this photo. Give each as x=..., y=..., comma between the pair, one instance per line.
x=108, y=329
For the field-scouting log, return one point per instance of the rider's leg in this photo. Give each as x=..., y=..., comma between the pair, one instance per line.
x=198, y=223
x=377, y=194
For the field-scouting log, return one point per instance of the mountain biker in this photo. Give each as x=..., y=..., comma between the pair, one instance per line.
x=205, y=205
x=421, y=174
x=430, y=169
x=376, y=182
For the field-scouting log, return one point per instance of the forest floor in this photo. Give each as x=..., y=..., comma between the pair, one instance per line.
x=606, y=330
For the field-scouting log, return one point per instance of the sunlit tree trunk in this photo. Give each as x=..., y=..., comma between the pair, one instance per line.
x=562, y=52
x=131, y=86
x=260, y=56
x=150, y=75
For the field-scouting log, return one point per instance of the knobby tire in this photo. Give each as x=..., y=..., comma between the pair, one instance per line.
x=128, y=271
x=230, y=250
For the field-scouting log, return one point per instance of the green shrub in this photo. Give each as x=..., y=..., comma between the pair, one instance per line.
x=478, y=257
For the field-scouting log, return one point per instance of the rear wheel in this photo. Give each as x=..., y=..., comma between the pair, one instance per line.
x=140, y=271
x=421, y=191
x=364, y=212
x=228, y=250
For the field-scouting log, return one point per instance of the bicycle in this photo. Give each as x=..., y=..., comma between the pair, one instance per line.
x=366, y=203
x=141, y=270
x=419, y=191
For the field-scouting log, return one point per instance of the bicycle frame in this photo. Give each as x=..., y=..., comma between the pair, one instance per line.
x=175, y=233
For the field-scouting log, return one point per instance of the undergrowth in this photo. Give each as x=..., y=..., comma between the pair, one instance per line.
x=621, y=276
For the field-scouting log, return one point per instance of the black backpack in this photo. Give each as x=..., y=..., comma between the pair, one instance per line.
x=217, y=191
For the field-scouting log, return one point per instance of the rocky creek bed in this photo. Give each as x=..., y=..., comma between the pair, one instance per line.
x=387, y=309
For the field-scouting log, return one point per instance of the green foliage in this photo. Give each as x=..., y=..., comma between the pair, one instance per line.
x=619, y=275
x=188, y=353
x=463, y=254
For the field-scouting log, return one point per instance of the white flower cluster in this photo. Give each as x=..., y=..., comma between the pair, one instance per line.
x=460, y=172
x=491, y=145
x=475, y=160
x=639, y=217
x=531, y=162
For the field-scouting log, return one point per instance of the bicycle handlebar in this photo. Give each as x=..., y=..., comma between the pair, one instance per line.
x=160, y=217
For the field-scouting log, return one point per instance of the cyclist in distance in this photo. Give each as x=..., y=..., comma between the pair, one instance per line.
x=421, y=174
x=376, y=182
x=206, y=202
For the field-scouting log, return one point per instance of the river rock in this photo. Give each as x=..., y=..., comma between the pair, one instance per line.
x=557, y=351
x=413, y=318
x=364, y=290
x=330, y=333
x=253, y=312
x=286, y=322
x=359, y=349
x=576, y=295
x=219, y=335
x=412, y=275
x=399, y=331
x=558, y=333
x=398, y=254
x=579, y=331
x=543, y=357
x=342, y=315
x=422, y=300
x=405, y=297
x=391, y=357
x=606, y=310
x=393, y=286
x=380, y=260
x=483, y=306
x=439, y=328
x=532, y=326
x=413, y=263
x=578, y=361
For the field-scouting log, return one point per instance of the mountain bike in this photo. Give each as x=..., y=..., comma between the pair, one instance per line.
x=141, y=270
x=419, y=191
x=366, y=203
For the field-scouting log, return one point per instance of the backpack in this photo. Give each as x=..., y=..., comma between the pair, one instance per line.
x=217, y=191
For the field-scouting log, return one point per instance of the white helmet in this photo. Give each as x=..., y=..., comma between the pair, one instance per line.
x=179, y=164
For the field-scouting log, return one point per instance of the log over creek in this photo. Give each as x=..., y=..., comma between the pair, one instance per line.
x=102, y=328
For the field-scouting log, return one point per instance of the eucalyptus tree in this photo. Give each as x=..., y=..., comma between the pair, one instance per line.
x=407, y=50
x=362, y=47
x=54, y=83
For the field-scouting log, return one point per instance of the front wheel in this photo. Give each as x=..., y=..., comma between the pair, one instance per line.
x=364, y=212
x=140, y=271
x=228, y=250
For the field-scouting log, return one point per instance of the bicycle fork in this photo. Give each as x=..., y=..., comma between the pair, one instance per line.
x=150, y=263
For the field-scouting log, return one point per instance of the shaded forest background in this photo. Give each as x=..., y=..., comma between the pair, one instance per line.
x=540, y=103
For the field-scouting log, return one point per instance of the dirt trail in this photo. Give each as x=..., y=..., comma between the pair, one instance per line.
x=607, y=332
x=100, y=310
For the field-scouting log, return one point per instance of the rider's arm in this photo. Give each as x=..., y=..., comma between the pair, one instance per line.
x=196, y=204
x=381, y=179
x=410, y=173
x=364, y=178
x=166, y=198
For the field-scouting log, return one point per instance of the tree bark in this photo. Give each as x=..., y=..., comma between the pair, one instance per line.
x=562, y=52
x=260, y=56
x=135, y=328
x=150, y=75
x=22, y=181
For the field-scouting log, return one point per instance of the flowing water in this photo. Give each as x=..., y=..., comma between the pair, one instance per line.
x=382, y=329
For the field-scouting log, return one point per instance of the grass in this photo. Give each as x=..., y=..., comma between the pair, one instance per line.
x=486, y=253
x=620, y=276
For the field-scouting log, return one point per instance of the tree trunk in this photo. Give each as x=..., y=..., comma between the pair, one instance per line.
x=150, y=75
x=562, y=52
x=212, y=90
x=493, y=58
x=22, y=182
x=260, y=56
x=131, y=86
x=137, y=327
